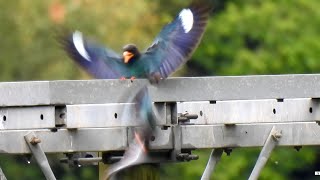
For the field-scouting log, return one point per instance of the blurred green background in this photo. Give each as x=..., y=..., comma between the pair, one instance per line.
x=242, y=38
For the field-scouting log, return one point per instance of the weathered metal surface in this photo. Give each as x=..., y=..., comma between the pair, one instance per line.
x=27, y=117
x=85, y=139
x=192, y=136
x=249, y=135
x=252, y=111
x=24, y=93
x=171, y=90
x=108, y=115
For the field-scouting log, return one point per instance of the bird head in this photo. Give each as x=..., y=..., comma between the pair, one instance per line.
x=130, y=52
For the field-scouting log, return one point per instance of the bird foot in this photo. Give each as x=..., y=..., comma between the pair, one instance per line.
x=132, y=78
x=122, y=78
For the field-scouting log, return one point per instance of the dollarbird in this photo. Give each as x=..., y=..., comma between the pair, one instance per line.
x=138, y=151
x=172, y=47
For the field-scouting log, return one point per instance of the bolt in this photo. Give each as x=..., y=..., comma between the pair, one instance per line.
x=35, y=140
x=277, y=135
x=228, y=151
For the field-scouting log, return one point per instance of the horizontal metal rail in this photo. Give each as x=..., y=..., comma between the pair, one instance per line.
x=192, y=137
x=171, y=90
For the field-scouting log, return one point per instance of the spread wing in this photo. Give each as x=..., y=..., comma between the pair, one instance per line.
x=176, y=42
x=98, y=61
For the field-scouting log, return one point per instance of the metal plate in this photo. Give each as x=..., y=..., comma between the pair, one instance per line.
x=24, y=93
x=193, y=137
x=170, y=90
x=27, y=117
x=189, y=89
x=81, y=140
x=249, y=135
x=252, y=111
x=108, y=115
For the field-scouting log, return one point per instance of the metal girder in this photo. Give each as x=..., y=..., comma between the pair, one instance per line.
x=252, y=111
x=248, y=135
x=27, y=117
x=78, y=140
x=171, y=90
x=124, y=114
x=109, y=115
x=24, y=93
x=192, y=137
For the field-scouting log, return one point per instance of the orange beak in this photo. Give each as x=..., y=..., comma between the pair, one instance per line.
x=127, y=56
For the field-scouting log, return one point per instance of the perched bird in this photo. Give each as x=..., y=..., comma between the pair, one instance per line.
x=171, y=48
x=138, y=151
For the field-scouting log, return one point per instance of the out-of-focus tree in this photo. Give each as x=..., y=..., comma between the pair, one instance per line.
x=29, y=50
x=243, y=37
x=262, y=37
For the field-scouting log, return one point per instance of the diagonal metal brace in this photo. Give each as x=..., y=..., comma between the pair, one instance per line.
x=265, y=153
x=34, y=146
x=213, y=161
x=2, y=176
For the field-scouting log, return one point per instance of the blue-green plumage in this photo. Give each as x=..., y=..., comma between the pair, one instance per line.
x=171, y=48
x=138, y=151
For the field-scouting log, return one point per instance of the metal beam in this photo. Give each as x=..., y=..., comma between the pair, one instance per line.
x=108, y=115
x=171, y=90
x=252, y=111
x=248, y=135
x=192, y=137
x=27, y=117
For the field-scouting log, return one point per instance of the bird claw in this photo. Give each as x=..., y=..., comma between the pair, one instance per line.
x=132, y=78
x=122, y=78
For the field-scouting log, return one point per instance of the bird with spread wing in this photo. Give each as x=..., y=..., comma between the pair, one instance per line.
x=172, y=47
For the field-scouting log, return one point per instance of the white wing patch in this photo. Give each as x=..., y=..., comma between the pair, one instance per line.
x=78, y=43
x=186, y=18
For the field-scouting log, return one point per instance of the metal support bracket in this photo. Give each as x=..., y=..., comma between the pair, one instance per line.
x=2, y=176
x=33, y=143
x=214, y=158
x=265, y=153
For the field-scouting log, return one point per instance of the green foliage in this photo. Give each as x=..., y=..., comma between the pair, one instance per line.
x=243, y=37
x=262, y=37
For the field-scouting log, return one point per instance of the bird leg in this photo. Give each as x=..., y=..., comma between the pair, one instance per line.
x=132, y=78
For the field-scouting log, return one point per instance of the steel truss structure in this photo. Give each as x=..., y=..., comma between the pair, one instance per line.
x=220, y=113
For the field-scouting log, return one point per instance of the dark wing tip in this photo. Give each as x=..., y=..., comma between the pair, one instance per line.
x=203, y=5
x=188, y=37
x=77, y=52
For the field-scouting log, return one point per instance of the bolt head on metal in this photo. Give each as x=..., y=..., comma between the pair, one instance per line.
x=277, y=135
x=35, y=140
